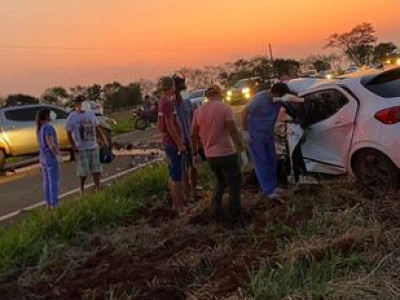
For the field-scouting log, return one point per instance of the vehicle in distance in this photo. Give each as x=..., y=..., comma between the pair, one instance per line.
x=197, y=97
x=243, y=90
x=18, y=130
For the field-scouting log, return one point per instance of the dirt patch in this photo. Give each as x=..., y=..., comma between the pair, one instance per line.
x=166, y=257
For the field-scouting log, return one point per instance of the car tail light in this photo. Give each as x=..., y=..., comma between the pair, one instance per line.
x=389, y=116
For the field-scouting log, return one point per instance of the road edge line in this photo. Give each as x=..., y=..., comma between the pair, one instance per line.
x=75, y=191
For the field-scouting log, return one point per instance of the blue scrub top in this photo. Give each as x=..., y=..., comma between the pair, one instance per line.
x=263, y=113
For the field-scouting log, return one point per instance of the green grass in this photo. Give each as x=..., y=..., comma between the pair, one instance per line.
x=124, y=120
x=30, y=241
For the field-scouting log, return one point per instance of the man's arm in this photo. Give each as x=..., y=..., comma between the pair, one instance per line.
x=102, y=137
x=195, y=138
x=234, y=132
x=245, y=117
x=71, y=140
x=174, y=133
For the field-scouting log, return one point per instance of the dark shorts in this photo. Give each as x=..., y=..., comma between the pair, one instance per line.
x=175, y=162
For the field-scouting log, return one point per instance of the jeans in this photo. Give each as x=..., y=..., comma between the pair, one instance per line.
x=50, y=169
x=228, y=174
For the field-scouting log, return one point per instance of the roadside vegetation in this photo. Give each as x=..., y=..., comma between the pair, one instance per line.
x=124, y=121
x=330, y=242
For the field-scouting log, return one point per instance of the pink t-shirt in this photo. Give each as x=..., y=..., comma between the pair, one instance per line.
x=211, y=120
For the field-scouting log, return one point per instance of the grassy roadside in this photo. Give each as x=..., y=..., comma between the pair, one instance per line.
x=124, y=120
x=28, y=242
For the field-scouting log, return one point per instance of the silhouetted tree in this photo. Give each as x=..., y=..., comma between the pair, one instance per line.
x=382, y=50
x=357, y=44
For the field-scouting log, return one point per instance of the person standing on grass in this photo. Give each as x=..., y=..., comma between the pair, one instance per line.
x=185, y=114
x=258, y=121
x=83, y=129
x=172, y=139
x=49, y=157
x=215, y=128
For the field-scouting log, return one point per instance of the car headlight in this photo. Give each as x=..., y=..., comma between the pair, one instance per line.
x=247, y=95
x=228, y=98
x=388, y=62
x=329, y=76
x=229, y=93
x=398, y=62
x=245, y=90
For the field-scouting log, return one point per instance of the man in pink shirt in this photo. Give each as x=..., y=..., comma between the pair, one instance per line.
x=215, y=128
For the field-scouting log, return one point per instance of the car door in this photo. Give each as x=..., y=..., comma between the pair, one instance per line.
x=20, y=130
x=329, y=122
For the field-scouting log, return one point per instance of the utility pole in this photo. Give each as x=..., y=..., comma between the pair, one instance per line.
x=272, y=59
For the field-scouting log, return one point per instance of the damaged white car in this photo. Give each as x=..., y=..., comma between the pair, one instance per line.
x=350, y=126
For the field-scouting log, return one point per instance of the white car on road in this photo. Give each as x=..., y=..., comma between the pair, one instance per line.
x=352, y=126
x=197, y=97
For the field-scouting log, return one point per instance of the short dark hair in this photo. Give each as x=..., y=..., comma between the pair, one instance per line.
x=79, y=99
x=280, y=89
x=167, y=83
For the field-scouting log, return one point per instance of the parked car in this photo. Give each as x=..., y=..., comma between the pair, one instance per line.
x=197, y=97
x=18, y=130
x=352, y=126
x=243, y=90
x=352, y=69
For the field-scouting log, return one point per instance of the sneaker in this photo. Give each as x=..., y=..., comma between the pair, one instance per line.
x=279, y=191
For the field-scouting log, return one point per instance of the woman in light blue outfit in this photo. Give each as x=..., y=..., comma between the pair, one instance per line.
x=49, y=157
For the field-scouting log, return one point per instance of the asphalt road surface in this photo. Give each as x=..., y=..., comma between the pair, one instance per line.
x=24, y=188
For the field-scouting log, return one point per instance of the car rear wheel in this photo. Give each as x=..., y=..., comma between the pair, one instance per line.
x=375, y=170
x=2, y=159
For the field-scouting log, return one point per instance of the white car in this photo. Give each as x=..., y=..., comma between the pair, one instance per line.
x=197, y=97
x=352, y=126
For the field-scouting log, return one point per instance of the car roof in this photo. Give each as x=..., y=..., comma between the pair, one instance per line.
x=350, y=79
x=16, y=107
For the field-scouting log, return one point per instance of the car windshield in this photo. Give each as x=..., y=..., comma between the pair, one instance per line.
x=241, y=83
x=197, y=94
x=386, y=85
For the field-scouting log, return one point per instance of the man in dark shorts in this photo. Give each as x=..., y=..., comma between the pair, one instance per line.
x=172, y=139
x=185, y=112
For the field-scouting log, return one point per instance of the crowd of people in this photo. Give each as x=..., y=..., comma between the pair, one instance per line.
x=85, y=137
x=188, y=137
x=213, y=127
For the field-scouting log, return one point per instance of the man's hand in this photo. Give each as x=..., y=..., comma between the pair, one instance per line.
x=182, y=148
x=246, y=137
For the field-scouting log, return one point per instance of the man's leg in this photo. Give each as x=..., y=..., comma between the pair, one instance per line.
x=264, y=157
x=96, y=180
x=175, y=173
x=219, y=188
x=82, y=181
x=95, y=168
x=233, y=175
x=193, y=181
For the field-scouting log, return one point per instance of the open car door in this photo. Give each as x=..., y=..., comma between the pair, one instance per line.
x=328, y=120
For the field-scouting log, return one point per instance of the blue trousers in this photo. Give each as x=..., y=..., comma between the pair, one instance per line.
x=51, y=178
x=263, y=155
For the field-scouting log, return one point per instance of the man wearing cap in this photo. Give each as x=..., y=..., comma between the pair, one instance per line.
x=214, y=126
x=172, y=139
x=83, y=129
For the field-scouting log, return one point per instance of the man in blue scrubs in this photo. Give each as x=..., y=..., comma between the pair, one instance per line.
x=258, y=120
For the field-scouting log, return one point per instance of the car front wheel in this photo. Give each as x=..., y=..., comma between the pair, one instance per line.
x=375, y=170
x=2, y=159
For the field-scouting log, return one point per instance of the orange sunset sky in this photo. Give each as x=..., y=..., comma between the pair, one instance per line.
x=44, y=43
